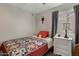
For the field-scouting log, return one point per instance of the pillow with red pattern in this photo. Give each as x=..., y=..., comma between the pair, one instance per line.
x=43, y=34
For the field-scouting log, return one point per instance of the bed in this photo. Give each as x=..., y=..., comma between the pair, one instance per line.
x=27, y=46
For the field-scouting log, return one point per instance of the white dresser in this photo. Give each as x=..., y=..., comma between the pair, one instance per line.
x=63, y=46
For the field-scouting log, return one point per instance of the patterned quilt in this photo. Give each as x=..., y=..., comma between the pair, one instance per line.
x=23, y=46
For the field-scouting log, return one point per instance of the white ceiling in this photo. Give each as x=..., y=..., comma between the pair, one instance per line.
x=35, y=7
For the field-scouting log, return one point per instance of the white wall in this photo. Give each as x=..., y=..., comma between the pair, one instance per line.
x=15, y=23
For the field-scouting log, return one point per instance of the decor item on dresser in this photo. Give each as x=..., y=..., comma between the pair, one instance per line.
x=62, y=46
x=59, y=35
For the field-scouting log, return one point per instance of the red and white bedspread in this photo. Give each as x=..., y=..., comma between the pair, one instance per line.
x=25, y=46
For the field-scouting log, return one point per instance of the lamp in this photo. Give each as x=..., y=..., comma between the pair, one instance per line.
x=66, y=27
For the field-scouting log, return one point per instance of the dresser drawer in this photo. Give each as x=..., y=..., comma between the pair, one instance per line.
x=66, y=48
x=62, y=52
x=61, y=42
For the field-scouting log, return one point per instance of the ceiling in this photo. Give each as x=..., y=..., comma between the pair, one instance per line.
x=35, y=7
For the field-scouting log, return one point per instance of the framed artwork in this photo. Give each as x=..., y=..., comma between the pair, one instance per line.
x=42, y=19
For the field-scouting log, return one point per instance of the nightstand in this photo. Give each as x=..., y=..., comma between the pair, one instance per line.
x=63, y=46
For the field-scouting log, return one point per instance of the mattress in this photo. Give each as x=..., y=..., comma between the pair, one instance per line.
x=25, y=46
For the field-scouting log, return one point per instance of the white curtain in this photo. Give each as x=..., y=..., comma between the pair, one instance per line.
x=62, y=18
